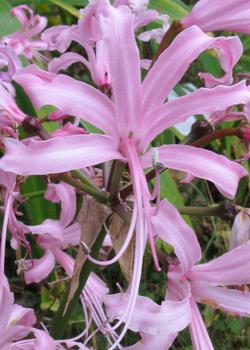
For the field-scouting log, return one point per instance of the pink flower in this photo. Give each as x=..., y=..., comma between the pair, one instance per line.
x=15, y=320
x=55, y=235
x=207, y=281
x=87, y=33
x=26, y=40
x=213, y=15
x=131, y=120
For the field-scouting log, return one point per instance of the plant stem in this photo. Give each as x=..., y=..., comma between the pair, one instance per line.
x=100, y=196
x=83, y=178
x=217, y=134
x=33, y=194
x=226, y=212
x=114, y=178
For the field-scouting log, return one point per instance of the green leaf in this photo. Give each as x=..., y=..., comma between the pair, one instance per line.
x=23, y=101
x=176, y=9
x=67, y=7
x=37, y=209
x=9, y=24
x=169, y=190
x=210, y=63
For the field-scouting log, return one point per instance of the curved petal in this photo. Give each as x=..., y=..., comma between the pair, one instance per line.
x=198, y=330
x=49, y=229
x=60, y=37
x=201, y=101
x=64, y=260
x=65, y=61
x=234, y=301
x=41, y=268
x=71, y=97
x=9, y=109
x=171, y=228
x=71, y=236
x=21, y=316
x=57, y=155
x=65, y=194
x=224, y=173
x=211, y=15
x=43, y=340
x=124, y=66
x=232, y=268
x=175, y=60
x=149, y=317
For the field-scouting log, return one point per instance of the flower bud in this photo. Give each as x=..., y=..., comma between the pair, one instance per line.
x=241, y=229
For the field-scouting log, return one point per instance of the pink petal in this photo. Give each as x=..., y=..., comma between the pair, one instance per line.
x=198, y=331
x=41, y=268
x=232, y=268
x=48, y=229
x=171, y=228
x=65, y=194
x=175, y=60
x=122, y=51
x=71, y=236
x=6, y=305
x=44, y=340
x=57, y=155
x=60, y=37
x=65, y=61
x=21, y=316
x=224, y=173
x=201, y=101
x=8, y=180
x=149, y=317
x=149, y=342
x=13, y=63
x=211, y=15
x=9, y=110
x=231, y=300
x=71, y=97
x=64, y=260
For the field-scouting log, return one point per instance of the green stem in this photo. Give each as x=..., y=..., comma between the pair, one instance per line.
x=33, y=194
x=83, y=178
x=226, y=212
x=61, y=319
x=200, y=211
x=114, y=178
x=100, y=196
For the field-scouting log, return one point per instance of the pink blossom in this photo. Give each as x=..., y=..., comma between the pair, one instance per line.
x=207, y=281
x=15, y=320
x=87, y=33
x=54, y=235
x=26, y=40
x=131, y=120
x=213, y=15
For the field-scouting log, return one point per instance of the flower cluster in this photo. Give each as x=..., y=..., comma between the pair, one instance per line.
x=105, y=129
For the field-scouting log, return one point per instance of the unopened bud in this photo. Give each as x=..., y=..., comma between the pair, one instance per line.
x=241, y=229
x=199, y=129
